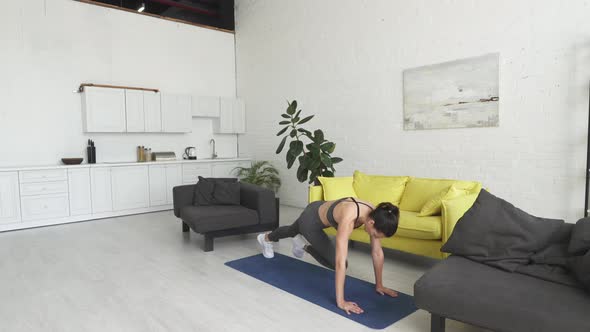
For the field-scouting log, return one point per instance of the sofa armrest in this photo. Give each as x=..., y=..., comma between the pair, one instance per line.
x=260, y=199
x=452, y=211
x=182, y=196
x=316, y=193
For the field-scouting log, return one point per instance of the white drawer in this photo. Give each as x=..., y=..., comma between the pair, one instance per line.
x=43, y=175
x=44, y=207
x=191, y=173
x=42, y=188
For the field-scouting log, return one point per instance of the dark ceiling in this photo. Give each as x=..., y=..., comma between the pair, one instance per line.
x=215, y=13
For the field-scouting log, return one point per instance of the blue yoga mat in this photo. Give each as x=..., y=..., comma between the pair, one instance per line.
x=316, y=285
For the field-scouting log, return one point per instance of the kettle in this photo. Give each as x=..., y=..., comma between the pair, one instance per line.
x=190, y=153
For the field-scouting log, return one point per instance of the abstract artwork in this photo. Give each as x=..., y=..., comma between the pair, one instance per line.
x=456, y=94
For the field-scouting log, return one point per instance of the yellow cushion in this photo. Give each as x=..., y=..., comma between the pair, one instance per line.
x=337, y=187
x=419, y=190
x=454, y=209
x=425, y=228
x=433, y=206
x=379, y=188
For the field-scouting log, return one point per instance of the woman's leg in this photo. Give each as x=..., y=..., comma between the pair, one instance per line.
x=284, y=232
x=321, y=249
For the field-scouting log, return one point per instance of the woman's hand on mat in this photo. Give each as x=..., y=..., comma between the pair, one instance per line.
x=350, y=307
x=384, y=290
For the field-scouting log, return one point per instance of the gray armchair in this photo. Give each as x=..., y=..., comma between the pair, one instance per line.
x=258, y=212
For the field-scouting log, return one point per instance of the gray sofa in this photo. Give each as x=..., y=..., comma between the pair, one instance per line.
x=481, y=295
x=258, y=211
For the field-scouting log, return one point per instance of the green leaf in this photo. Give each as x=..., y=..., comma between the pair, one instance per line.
x=326, y=160
x=328, y=147
x=285, y=123
x=297, y=115
x=295, y=120
x=293, y=133
x=302, y=173
x=296, y=148
x=306, y=132
x=281, y=145
x=290, y=160
x=282, y=131
x=336, y=160
x=318, y=136
x=315, y=164
x=306, y=119
x=328, y=174
x=286, y=116
x=292, y=107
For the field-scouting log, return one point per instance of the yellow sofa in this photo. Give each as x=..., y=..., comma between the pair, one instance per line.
x=416, y=234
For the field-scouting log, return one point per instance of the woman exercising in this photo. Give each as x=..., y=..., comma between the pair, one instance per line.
x=345, y=215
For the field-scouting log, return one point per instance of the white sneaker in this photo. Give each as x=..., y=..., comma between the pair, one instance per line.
x=299, y=243
x=266, y=246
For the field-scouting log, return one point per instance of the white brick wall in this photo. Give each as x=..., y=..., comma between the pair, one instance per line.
x=343, y=61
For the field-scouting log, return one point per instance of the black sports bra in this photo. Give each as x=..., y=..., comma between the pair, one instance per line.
x=330, y=213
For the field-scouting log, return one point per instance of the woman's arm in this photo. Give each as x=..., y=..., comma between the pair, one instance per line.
x=344, y=231
x=378, y=257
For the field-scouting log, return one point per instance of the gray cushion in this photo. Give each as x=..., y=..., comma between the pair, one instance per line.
x=203, y=219
x=485, y=296
x=216, y=191
x=580, y=240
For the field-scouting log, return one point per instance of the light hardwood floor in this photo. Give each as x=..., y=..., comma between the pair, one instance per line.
x=141, y=273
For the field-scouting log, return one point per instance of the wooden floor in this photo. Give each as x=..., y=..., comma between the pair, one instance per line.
x=141, y=273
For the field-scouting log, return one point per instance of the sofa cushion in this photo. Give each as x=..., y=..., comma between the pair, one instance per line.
x=424, y=228
x=580, y=241
x=203, y=219
x=207, y=193
x=433, y=206
x=337, y=187
x=226, y=193
x=461, y=289
x=419, y=190
x=379, y=188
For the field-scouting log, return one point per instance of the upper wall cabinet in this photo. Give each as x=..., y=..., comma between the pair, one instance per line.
x=152, y=111
x=176, y=113
x=206, y=107
x=232, y=117
x=134, y=111
x=143, y=111
x=103, y=110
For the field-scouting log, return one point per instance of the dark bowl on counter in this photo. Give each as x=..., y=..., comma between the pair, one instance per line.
x=72, y=161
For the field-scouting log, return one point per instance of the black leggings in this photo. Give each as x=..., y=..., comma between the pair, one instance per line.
x=311, y=227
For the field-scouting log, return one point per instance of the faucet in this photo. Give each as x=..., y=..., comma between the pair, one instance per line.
x=214, y=155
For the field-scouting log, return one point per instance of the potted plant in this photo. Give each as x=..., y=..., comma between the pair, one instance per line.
x=260, y=173
x=315, y=158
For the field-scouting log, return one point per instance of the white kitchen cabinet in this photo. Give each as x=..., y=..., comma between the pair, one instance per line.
x=176, y=113
x=152, y=111
x=9, y=198
x=79, y=191
x=134, y=110
x=227, y=169
x=103, y=110
x=191, y=172
x=206, y=107
x=163, y=178
x=173, y=179
x=130, y=187
x=44, y=206
x=157, y=174
x=232, y=117
x=100, y=183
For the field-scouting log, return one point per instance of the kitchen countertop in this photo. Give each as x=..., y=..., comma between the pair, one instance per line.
x=111, y=164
